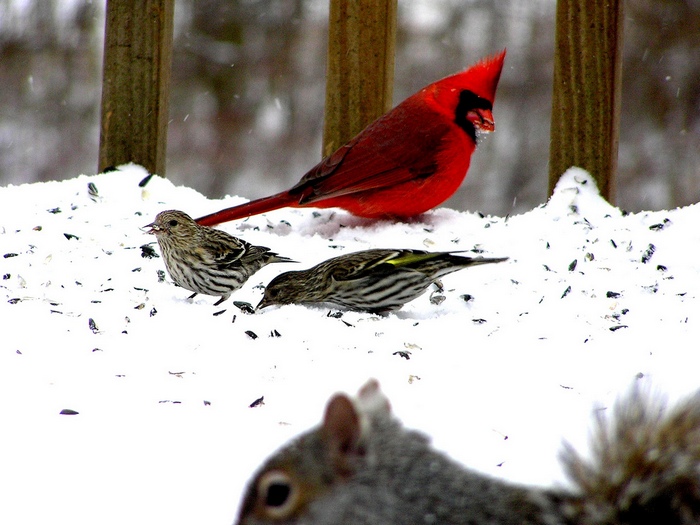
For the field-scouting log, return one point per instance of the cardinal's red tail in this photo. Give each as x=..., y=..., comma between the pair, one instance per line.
x=274, y=202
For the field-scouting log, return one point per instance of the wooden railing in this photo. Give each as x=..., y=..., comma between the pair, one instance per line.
x=585, y=105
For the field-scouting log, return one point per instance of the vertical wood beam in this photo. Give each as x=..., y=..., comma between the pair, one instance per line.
x=136, y=82
x=586, y=96
x=360, y=69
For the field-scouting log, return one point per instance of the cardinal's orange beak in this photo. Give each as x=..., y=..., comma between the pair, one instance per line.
x=482, y=119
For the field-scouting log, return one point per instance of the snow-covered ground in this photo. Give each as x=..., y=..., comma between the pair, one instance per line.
x=517, y=356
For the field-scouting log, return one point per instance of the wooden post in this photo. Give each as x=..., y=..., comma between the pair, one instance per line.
x=360, y=71
x=586, y=98
x=135, y=84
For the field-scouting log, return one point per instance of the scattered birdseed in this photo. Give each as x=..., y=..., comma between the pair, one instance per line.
x=92, y=191
x=660, y=226
x=145, y=180
x=648, y=253
x=148, y=252
x=258, y=402
x=244, y=307
x=436, y=298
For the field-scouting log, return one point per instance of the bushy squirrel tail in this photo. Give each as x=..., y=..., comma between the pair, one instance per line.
x=644, y=466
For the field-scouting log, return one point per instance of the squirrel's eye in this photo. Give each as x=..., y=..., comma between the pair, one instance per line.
x=277, y=494
x=172, y=222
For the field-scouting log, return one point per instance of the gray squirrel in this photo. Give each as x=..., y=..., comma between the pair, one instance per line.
x=361, y=467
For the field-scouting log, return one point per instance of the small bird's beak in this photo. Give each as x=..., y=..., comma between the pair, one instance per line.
x=261, y=305
x=482, y=119
x=154, y=228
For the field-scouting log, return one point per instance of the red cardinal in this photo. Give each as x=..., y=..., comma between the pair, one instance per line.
x=405, y=162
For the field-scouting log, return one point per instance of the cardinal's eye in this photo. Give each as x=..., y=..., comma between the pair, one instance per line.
x=172, y=223
x=277, y=494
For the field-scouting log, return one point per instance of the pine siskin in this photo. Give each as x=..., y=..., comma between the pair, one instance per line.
x=204, y=260
x=370, y=280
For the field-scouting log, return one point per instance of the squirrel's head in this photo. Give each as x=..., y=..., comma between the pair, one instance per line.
x=316, y=461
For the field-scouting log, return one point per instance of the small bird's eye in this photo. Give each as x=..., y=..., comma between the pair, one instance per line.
x=172, y=222
x=277, y=494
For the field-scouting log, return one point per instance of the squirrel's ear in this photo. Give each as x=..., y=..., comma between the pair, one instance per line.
x=371, y=400
x=341, y=431
x=342, y=423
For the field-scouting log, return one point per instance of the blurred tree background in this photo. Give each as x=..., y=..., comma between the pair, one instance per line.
x=248, y=92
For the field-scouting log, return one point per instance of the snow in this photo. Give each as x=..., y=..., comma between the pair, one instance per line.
x=590, y=302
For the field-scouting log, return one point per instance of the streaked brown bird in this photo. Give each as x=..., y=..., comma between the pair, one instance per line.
x=372, y=280
x=205, y=260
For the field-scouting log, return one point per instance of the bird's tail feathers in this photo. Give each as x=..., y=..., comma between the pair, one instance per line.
x=254, y=207
x=487, y=260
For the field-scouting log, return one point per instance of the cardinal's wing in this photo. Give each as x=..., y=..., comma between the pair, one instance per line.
x=398, y=147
